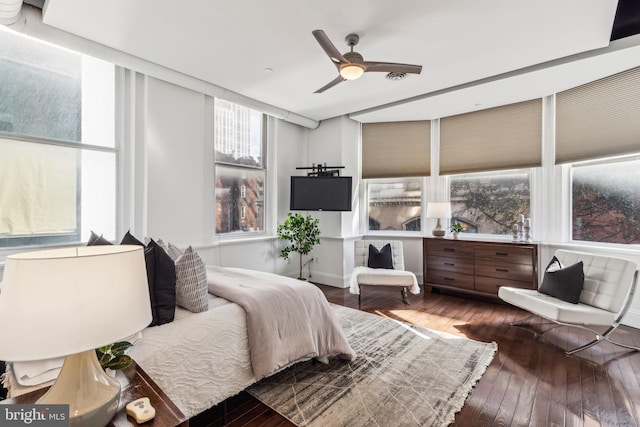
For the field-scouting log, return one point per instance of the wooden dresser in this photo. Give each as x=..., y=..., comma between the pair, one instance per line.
x=479, y=267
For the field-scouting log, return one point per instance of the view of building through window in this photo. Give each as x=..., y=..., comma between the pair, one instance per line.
x=240, y=171
x=55, y=107
x=395, y=205
x=606, y=202
x=489, y=203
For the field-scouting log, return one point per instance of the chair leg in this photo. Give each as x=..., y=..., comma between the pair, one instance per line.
x=599, y=337
x=405, y=295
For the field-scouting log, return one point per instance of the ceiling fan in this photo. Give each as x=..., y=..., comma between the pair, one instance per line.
x=352, y=65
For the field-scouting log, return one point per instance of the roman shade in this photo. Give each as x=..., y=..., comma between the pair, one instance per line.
x=40, y=188
x=396, y=149
x=599, y=119
x=506, y=137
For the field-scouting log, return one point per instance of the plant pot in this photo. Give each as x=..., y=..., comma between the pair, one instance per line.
x=455, y=235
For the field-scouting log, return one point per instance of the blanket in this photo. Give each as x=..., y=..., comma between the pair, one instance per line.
x=288, y=320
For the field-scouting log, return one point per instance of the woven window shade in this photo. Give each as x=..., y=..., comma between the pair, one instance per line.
x=599, y=119
x=396, y=149
x=506, y=137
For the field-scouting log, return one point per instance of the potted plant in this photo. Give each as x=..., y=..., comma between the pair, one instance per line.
x=455, y=229
x=302, y=233
x=112, y=356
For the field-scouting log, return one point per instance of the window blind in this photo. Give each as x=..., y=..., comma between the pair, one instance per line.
x=506, y=137
x=396, y=149
x=599, y=119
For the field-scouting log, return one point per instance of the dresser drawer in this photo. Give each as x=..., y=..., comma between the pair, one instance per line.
x=456, y=265
x=504, y=270
x=490, y=285
x=448, y=278
x=515, y=254
x=449, y=248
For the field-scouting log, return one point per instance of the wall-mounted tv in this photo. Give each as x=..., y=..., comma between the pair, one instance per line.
x=320, y=193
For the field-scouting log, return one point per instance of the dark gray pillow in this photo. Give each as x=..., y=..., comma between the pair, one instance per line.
x=95, y=240
x=382, y=258
x=564, y=283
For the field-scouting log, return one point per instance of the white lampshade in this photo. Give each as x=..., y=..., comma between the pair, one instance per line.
x=438, y=210
x=351, y=71
x=65, y=301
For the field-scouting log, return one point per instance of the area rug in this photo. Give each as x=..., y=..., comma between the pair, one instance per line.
x=404, y=375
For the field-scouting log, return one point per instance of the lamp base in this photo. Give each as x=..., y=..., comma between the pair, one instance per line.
x=438, y=233
x=91, y=394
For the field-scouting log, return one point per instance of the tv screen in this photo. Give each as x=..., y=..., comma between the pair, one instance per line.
x=320, y=193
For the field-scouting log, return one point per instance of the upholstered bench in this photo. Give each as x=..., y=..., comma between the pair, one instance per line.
x=396, y=276
x=607, y=293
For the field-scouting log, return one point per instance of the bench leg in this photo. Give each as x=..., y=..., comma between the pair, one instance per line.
x=405, y=295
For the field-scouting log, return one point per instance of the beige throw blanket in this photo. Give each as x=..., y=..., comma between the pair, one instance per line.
x=288, y=320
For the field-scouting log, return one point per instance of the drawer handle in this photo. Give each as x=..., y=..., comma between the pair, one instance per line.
x=502, y=254
x=449, y=264
x=502, y=270
x=449, y=278
x=449, y=250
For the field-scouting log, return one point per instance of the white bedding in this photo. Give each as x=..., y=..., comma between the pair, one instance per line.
x=199, y=359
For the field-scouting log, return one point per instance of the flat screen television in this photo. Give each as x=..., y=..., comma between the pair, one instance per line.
x=320, y=193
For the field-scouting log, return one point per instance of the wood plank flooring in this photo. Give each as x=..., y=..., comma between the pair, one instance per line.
x=530, y=382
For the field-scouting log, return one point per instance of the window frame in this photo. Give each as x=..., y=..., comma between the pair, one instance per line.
x=22, y=242
x=531, y=177
x=568, y=191
x=264, y=167
x=364, y=221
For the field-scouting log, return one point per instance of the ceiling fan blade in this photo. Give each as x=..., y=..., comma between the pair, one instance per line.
x=390, y=67
x=331, y=84
x=329, y=48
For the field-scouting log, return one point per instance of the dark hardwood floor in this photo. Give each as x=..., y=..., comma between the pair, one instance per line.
x=530, y=382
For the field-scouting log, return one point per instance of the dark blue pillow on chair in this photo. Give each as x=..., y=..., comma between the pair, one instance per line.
x=382, y=258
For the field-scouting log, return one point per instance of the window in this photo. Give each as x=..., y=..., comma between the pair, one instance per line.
x=606, y=201
x=395, y=204
x=489, y=203
x=240, y=168
x=57, y=144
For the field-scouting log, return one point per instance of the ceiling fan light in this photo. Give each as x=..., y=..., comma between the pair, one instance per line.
x=351, y=71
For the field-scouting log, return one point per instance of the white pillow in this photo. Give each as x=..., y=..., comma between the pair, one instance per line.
x=191, y=281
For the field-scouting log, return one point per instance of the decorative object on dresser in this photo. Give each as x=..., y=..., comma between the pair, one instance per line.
x=381, y=263
x=438, y=210
x=479, y=267
x=604, y=285
x=68, y=302
x=302, y=233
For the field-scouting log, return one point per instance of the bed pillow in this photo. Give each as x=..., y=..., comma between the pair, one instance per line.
x=382, y=258
x=191, y=282
x=174, y=251
x=95, y=240
x=161, y=278
x=562, y=282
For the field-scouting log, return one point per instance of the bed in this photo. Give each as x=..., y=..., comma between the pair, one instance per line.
x=201, y=359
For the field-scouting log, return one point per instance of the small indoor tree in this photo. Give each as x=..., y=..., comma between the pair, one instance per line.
x=302, y=233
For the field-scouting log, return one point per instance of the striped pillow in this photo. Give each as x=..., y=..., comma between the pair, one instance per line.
x=191, y=282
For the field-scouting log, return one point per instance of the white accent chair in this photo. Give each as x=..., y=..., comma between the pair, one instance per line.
x=398, y=276
x=609, y=286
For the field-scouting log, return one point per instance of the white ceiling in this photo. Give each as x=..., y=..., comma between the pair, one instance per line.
x=264, y=50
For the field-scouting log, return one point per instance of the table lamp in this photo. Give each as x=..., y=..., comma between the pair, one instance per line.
x=438, y=210
x=68, y=302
